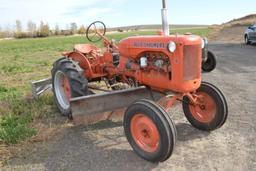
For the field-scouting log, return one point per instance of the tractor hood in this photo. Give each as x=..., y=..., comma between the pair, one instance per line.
x=133, y=46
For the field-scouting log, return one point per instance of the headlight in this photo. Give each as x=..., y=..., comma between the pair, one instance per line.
x=171, y=47
x=203, y=43
x=206, y=41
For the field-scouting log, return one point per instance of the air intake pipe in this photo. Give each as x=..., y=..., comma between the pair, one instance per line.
x=165, y=23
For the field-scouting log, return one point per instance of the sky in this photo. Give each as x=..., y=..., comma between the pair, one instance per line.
x=122, y=12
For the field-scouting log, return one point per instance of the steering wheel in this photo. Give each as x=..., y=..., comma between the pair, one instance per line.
x=96, y=31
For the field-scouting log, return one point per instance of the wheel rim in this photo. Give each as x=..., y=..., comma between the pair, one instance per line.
x=145, y=133
x=62, y=89
x=206, y=110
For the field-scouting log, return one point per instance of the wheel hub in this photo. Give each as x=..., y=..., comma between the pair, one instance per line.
x=145, y=133
x=66, y=87
x=205, y=108
x=202, y=107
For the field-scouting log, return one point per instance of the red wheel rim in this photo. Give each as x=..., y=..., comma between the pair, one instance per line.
x=145, y=133
x=66, y=87
x=205, y=111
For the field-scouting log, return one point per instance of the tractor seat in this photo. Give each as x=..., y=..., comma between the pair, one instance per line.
x=85, y=48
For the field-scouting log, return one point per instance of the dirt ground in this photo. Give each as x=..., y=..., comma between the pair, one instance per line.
x=104, y=146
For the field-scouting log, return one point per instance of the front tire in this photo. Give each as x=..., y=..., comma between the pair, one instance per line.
x=150, y=131
x=212, y=111
x=68, y=81
x=246, y=39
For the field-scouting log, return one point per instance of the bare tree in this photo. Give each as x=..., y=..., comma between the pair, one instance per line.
x=73, y=28
x=57, y=30
x=18, y=32
x=31, y=29
x=7, y=32
x=82, y=30
x=44, y=30
x=18, y=26
x=1, y=33
x=41, y=26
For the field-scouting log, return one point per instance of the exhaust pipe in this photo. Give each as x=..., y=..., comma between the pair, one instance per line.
x=165, y=24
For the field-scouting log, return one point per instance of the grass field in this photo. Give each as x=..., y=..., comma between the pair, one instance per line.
x=31, y=59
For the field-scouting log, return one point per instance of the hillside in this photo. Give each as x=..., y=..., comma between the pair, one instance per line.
x=232, y=31
x=243, y=21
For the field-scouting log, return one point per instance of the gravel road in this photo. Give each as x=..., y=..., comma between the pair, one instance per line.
x=104, y=146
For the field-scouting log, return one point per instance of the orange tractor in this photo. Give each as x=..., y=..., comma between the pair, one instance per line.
x=162, y=68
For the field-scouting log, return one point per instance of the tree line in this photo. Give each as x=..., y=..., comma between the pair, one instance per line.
x=43, y=30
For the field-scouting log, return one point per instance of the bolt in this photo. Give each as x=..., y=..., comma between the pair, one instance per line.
x=202, y=107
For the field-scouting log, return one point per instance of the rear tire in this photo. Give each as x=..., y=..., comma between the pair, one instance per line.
x=150, y=131
x=210, y=64
x=212, y=114
x=68, y=81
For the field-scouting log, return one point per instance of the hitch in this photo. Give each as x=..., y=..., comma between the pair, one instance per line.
x=40, y=86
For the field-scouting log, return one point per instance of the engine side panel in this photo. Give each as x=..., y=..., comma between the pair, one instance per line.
x=182, y=73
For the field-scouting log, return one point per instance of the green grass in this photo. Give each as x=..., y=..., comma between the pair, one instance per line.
x=15, y=128
x=18, y=112
x=24, y=60
x=204, y=32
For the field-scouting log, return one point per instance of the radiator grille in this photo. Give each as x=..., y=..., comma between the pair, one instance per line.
x=191, y=62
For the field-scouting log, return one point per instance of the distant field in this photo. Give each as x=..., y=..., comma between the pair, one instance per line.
x=31, y=59
x=202, y=31
x=157, y=27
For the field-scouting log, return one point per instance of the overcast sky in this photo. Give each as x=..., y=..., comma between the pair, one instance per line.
x=122, y=12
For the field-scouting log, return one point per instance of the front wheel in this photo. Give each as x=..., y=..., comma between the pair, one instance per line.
x=150, y=131
x=211, y=111
x=246, y=39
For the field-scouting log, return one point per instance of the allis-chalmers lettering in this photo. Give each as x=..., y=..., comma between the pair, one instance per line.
x=149, y=45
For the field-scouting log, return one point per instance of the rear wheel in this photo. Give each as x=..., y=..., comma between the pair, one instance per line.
x=211, y=112
x=150, y=131
x=210, y=63
x=68, y=82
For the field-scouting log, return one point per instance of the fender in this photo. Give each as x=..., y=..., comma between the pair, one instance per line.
x=83, y=62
